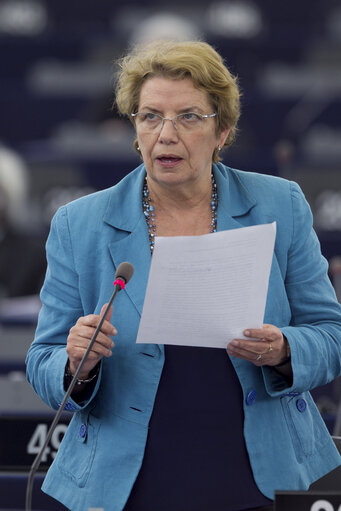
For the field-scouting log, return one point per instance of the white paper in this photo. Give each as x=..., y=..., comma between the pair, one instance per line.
x=206, y=290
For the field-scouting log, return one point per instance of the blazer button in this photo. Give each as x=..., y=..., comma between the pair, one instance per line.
x=82, y=430
x=69, y=407
x=251, y=397
x=301, y=405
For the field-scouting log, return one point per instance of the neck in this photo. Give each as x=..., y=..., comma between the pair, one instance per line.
x=180, y=198
x=169, y=217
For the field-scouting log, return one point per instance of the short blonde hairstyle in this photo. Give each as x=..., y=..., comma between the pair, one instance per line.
x=179, y=60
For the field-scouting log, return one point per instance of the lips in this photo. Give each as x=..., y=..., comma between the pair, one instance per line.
x=169, y=158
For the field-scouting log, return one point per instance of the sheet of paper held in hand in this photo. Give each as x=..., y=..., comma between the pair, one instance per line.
x=206, y=290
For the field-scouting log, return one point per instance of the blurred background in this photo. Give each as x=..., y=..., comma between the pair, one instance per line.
x=60, y=137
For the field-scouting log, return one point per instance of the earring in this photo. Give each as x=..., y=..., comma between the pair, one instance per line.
x=219, y=148
x=138, y=148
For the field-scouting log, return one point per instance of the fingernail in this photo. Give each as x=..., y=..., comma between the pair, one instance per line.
x=246, y=332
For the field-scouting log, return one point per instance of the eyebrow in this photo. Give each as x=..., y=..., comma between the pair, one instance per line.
x=182, y=110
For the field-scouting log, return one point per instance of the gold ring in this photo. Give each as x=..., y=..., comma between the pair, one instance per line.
x=259, y=356
x=270, y=347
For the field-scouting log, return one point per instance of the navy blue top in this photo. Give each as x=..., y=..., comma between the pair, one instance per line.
x=195, y=457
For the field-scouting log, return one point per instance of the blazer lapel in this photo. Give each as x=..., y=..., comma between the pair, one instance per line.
x=135, y=249
x=234, y=199
x=125, y=214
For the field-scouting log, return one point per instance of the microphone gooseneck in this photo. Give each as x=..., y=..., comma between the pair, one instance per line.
x=123, y=275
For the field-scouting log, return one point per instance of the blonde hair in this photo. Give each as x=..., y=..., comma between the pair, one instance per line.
x=178, y=60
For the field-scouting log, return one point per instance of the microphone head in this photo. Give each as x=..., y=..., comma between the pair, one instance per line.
x=124, y=271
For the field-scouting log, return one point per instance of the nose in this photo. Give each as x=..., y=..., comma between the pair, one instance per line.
x=168, y=132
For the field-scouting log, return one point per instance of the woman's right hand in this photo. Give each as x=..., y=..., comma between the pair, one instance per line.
x=79, y=338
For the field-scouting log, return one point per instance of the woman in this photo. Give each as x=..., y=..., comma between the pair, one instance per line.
x=163, y=428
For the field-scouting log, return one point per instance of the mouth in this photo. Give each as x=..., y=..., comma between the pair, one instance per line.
x=168, y=159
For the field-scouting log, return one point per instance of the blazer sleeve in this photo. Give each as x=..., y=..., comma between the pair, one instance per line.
x=314, y=333
x=61, y=307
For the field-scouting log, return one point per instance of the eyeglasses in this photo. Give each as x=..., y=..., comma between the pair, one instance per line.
x=150, y=122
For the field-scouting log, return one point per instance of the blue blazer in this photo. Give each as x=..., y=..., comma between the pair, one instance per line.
x=102, y=451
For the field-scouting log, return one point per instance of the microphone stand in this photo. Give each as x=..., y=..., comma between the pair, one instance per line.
x=119, y=284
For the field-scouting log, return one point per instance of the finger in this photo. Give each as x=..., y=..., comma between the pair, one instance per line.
x=77, y=353
x=258, y=359
x=246, y=350
x=108, y=314
x=251, y=354
x=81, y=345
x=254, y=346
x=81, y=336
x=268, y=333
x=245, y=355
x=107, y=327
x=101, y=350
x=87, y=332
x=92, y=320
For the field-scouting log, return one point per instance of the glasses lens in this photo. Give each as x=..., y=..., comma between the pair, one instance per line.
x=189, y=120
x=148, y=121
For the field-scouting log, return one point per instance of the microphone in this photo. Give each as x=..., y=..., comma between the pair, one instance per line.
x=123, y=275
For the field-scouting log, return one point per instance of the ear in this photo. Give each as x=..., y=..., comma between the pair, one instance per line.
x=223, y=136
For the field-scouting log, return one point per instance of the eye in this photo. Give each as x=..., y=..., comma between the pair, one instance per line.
x=149, y=116
x=190, y=117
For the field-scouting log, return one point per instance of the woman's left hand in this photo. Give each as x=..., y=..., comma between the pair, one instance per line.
x=270, y=349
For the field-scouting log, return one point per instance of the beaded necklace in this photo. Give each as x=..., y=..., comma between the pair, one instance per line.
x=149, y=211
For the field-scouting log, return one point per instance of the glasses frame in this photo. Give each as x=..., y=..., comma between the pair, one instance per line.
x=173, y=119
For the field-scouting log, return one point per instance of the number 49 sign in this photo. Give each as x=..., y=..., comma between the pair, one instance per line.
x=22, y=439
x=38, y=438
